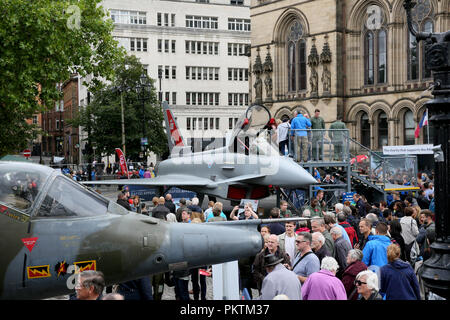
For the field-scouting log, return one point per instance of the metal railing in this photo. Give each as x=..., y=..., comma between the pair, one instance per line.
x=334, y=147
x=321, y=145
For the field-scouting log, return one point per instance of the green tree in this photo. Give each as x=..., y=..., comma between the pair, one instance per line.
x=42, y=42
x=142, y=118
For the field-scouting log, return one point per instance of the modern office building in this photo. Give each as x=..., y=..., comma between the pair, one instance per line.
x=197, y=48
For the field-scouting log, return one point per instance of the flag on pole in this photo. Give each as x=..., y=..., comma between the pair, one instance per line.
x=422, y=123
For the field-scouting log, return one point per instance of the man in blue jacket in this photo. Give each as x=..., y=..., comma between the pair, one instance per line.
x=298, y=126
x=375, y=250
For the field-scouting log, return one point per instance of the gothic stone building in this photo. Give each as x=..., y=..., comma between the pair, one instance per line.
x=352, y=58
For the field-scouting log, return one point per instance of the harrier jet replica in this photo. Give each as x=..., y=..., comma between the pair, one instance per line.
x=52, y=228
x=245, y=168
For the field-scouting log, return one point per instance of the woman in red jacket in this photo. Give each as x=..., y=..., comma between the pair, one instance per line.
x=354, y=266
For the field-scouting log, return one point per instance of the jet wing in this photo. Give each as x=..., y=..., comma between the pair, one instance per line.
x=175, y=180
x=166, y=180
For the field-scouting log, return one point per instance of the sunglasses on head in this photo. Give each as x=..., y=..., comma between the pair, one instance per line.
x=359, y=282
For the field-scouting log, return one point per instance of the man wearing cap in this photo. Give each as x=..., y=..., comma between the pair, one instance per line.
x=279, y=280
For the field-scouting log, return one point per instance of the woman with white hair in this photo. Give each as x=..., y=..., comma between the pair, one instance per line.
x=367, y=285
x=354, y=267
x=324, y=285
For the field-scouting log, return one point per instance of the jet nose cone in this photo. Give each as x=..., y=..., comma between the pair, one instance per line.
x=293, y=175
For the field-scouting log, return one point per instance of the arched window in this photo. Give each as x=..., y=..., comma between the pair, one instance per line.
x=291, y=66
x=365, y=130
x=369, y=55
x=296, y=57
x=375, y=47
x=382, y=130
x=408, y=127
x=427, y=27
x=422, y=15
x=382, y=56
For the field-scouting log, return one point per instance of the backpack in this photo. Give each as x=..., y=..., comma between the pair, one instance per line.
x=351, y=233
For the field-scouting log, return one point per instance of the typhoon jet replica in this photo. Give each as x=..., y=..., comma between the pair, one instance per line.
x=244, y=168
x=52, y=228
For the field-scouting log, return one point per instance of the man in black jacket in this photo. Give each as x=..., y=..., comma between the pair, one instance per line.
x=122, y=200
x=160, y=211
x=169, y=203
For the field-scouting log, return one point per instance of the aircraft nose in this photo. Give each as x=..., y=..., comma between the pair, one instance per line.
x=293, y=175
x=203, y=244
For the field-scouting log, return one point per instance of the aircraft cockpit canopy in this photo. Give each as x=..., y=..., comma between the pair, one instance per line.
x=21, y=183
x=254, y=133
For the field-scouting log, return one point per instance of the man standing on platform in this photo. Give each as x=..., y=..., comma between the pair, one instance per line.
x=298, y=126
x=337, y=137
x=317, y=122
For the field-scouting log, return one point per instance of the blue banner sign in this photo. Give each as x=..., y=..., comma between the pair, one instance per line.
x=146, y=193
x=347, y=196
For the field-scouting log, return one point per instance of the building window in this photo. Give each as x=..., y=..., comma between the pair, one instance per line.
x=409, y=128
x=382, y=130
x=174, y=98
x=202, y=98
x=237, y=2
x=166, y=72
x=158, y=19
x=296, y=58
x=238, y=99
x=173, y=46
x=217, y=123
x=235, y=24
x=166, y=46
x=128, y=17
x=174, y=72
x=375, y=57
x=188, y=123
x=172, y=19
x=138, y=44
x=369, y=58
x=200, y=22
x=202, y=73
x=236, y=49
x=365, y=130
x=201, y=47
x=159, y=45
x=422, y=15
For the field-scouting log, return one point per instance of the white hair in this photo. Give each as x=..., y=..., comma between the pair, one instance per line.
x=337, y=231
x=306, y=213
x=331, y=214
x=355, y=254
x=195, y=201
x=339, y=207
x=281, y=297
x=372, y=217
x=319, y=236
x=330, y=264
x=371, y=279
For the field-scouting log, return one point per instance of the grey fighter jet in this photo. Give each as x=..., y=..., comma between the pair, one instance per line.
x=244, y=168
x=52, y=228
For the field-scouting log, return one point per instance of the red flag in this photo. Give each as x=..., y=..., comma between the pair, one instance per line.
x=122, y=162
x=174, y=132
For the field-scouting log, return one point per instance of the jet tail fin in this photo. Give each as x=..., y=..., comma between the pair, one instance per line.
x=174, y=137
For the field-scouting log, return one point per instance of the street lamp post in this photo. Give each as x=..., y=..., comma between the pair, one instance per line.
x=436, y=270
x=143, y=92
x=160, y=92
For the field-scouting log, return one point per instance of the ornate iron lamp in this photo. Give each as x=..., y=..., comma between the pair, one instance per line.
x=436, y=270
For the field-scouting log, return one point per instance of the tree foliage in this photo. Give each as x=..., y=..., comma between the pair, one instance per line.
x=142, y=118
x=42, y=42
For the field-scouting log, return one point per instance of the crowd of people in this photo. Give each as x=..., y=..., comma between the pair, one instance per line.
x=353, y=251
